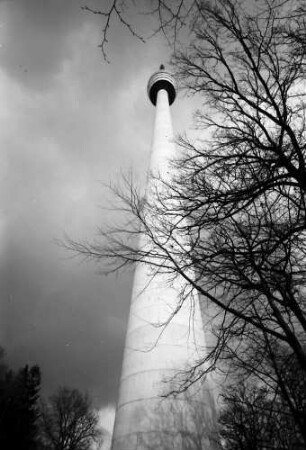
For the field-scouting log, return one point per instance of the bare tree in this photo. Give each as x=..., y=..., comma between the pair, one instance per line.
x=238, y=194
x=68, y=422
x=246, y=419
x=254, y=418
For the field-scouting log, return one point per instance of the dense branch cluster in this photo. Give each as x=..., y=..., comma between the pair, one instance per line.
x=255, y=419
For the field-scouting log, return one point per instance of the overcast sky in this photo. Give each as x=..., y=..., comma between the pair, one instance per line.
x=69, y=122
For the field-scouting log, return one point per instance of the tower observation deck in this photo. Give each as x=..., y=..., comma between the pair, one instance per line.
x=161, y=80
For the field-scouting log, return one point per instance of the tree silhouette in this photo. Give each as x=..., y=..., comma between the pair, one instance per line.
x=254, y=417
x=19, y=394
x=68, y=421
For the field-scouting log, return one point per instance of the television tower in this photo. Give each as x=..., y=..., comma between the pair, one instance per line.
x=155, y=353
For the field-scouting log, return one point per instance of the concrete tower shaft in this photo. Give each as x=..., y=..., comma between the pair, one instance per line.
x=154, y=353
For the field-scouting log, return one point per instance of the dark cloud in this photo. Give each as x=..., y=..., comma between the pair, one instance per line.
x=63, y=317
x=35, y=37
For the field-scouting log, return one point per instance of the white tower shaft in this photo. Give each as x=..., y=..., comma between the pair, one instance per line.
x=155, y=353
